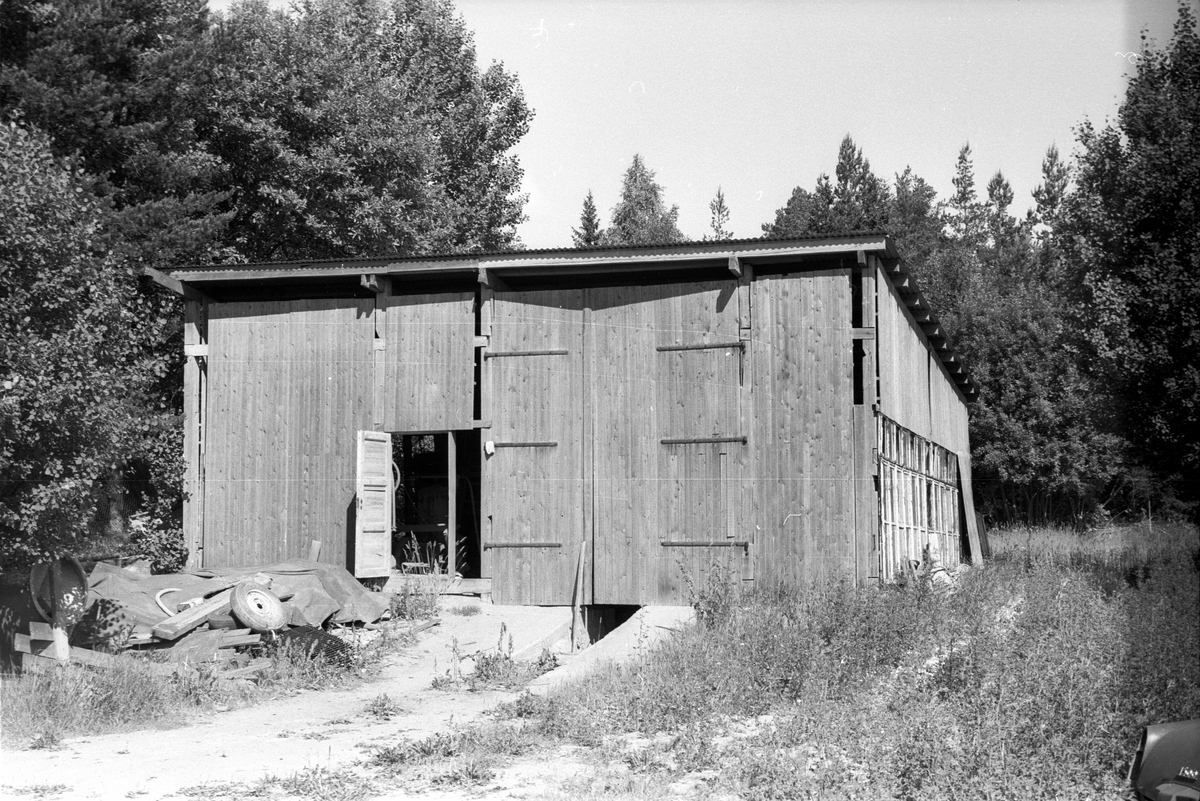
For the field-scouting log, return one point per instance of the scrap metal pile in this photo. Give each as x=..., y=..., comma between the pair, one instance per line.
x=210, y=617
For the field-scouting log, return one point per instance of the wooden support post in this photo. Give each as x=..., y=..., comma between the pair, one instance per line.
x=579, y=637
x=195, y=401
x=867, y=510
x=382, y=286
x=452, y=501
x=61, y=648
x=486, y=395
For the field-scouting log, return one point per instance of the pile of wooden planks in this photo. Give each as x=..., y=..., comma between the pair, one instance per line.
x=42, y=648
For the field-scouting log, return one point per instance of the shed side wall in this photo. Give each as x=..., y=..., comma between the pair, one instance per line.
x=918, y=393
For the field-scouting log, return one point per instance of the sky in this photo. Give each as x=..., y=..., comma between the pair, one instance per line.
x=755, y=97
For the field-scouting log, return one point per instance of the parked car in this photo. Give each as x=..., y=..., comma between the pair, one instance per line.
x=1167, y=764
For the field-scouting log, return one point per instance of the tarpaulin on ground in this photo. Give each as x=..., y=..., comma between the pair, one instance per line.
x=319, y=591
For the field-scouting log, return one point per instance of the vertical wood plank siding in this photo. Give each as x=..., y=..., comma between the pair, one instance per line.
x=903, y=363
x=803, y=435
x=429, y=358
x=290, y=383
x=533, y=493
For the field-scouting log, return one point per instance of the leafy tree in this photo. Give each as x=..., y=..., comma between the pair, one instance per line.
x=337, y=128
x=362, y=126
x=64, y=378
x=1131, y=230
x=589, y=232
x=720, y=219
x=641, y=217
x=119, y=85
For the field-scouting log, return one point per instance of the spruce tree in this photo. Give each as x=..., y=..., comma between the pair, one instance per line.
x=641, y=216
x=720, y=219
x=589, y=232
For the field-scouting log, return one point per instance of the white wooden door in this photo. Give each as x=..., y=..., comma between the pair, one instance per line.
x=373, y=518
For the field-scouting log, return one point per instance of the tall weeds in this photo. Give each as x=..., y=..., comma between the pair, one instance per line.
x=1031, y=679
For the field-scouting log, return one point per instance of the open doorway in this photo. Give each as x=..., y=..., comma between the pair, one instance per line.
x=433, y=473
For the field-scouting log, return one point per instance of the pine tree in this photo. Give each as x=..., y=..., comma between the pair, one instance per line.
x=589, y=232
x=859, y=201
x=720, y=219
x=1049, y=195
x=641, y=217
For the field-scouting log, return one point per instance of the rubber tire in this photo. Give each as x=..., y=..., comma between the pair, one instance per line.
x=221, y=620
x=256, y=608
x=72, y=600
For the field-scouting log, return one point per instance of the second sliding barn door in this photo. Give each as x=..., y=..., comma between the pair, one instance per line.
x=533, y=470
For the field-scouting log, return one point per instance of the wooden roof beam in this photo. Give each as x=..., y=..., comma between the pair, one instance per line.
x=173, y=284
x=494, y=282
x=735, y=266
x=379, y=284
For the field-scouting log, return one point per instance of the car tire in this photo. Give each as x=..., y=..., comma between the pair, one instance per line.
x=256, y=608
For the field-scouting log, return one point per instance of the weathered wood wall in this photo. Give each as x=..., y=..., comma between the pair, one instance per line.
x=802, y=432
x=290, y=382
x=428, y=380
x=904, y=365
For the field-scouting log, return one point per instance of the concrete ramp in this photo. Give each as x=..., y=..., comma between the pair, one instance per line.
x=633, y=638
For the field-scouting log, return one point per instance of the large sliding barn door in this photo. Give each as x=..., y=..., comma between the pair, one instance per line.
x=533, y=469
x=670, y=448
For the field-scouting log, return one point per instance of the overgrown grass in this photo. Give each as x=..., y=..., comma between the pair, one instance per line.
x=41, y=707
x=1031, y=679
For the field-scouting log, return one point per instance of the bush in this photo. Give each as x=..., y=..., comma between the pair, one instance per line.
x=164, y=547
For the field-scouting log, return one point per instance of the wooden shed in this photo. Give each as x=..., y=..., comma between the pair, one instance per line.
x=617, y=418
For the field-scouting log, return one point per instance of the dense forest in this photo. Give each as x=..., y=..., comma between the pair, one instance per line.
x=153, y=133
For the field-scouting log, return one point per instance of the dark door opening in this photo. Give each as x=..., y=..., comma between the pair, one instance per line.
x=423, y=466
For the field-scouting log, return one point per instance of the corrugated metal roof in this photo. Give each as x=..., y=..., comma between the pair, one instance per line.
x=484, y=254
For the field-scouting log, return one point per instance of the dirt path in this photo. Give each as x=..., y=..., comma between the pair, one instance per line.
x=327, y=729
